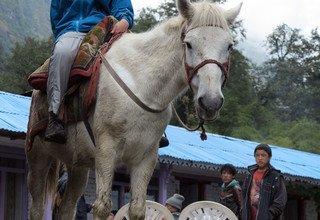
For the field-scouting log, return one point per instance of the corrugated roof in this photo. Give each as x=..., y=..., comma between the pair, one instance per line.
x=218, y=149
x=14, y=112
x=185, y=145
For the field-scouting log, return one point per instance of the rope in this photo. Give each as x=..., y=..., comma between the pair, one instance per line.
x=203, y=134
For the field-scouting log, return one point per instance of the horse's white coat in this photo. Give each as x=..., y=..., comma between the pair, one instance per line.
x=151, y=64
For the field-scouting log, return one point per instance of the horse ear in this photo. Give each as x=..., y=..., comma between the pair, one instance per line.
x=232, y=13
x=185, y=8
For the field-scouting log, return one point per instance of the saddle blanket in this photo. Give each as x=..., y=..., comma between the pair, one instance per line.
x=83, y=65
x=83, y=80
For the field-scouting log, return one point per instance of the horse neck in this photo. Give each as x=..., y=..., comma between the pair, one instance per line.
x=154, y=59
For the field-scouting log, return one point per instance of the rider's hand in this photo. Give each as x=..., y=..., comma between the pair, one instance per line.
x=120, y=27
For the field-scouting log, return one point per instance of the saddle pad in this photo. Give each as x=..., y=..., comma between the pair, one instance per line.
x=83, y=64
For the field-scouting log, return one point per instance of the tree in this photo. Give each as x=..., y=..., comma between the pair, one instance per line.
x=285, y=44
x=288, y=91
x=2, y=55
x=24, y=59
x=145, y=20
x=149, y=17
x=312, y=68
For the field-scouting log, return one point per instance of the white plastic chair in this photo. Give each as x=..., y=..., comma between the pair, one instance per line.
x=154, y=211
x=207, y=210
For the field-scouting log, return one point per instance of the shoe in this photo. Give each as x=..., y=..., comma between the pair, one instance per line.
x=55, y=130
x=163, y=142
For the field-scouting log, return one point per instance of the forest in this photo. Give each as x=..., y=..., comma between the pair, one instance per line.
x=276, y=102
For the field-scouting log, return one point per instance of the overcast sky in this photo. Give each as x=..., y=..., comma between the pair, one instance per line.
x=261, y=17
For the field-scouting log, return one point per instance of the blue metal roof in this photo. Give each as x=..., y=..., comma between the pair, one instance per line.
x=14, y=112
x=218, y=149
x=185, y=145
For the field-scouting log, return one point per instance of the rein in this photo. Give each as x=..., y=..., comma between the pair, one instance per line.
x=127, y=89
x=203, y=135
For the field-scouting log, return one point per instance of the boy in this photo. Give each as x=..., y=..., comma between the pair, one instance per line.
x=230, y=195
x=264, y=190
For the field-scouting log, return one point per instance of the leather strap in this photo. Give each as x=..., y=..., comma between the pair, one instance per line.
x=127, y=89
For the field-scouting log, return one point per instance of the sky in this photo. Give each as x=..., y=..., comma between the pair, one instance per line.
x=261, y=17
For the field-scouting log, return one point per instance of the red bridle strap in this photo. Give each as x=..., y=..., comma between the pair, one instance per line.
x=192, y=71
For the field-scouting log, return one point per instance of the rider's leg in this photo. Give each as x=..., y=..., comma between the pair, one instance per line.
x=64, y=53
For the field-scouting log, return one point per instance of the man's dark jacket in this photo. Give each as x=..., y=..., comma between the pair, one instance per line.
x=273, y=195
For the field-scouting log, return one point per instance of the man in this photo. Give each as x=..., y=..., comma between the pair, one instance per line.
x=82, y=207
x=230, y=195
x=174, y=205
x=264, y=190
x=70, y=21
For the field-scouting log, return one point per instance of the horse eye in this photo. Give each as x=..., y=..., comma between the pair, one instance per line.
x=188, y=45
x=230, y=47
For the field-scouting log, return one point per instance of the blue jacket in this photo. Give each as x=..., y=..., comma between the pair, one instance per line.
x=82, y=15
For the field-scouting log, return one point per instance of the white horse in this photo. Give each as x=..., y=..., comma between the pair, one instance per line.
x=190, y=50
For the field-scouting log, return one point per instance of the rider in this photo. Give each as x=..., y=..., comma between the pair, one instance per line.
x=70, y=21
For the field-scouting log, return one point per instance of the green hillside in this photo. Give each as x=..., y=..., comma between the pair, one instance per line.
x=20, y=19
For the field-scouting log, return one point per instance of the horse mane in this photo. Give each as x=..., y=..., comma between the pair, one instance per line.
x=205, y=14
x=208, y=14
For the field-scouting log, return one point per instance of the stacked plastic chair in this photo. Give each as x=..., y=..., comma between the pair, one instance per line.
x=207, y=210
x=154, y=211
x=202, y=210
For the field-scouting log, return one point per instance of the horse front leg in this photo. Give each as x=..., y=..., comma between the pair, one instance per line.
x=140, y=177
x=104, y=167
x=76, y=185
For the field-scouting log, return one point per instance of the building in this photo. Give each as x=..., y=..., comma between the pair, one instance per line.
x=188, y=166
x=14, y=112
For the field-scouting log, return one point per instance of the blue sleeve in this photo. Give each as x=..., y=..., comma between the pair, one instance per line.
x=62, y=184
x=54, y=15
x=122, y=9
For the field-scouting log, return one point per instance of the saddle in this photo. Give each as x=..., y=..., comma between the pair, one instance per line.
x=83, y=80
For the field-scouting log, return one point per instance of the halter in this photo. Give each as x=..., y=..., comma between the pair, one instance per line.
x=192, y=71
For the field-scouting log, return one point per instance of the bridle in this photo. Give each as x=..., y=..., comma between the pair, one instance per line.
x=192, y=71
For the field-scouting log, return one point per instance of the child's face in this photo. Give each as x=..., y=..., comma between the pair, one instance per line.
x=171, y=208
x=262, y=159
x=226, y=177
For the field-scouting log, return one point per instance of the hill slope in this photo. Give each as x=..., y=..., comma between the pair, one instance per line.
x=20, y=19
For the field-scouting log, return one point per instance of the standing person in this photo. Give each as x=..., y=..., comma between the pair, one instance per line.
x=70, y=21
x=82, y=207
x=264, y=190
x=174, y=205
x=230, y=195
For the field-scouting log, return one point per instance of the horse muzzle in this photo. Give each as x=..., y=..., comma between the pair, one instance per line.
x=208, y=107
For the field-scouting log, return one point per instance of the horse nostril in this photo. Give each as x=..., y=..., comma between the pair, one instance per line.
x=200, y=102
x=214, y=105
x=221, y=103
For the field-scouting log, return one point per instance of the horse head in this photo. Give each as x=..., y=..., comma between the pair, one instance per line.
x=207, y=42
